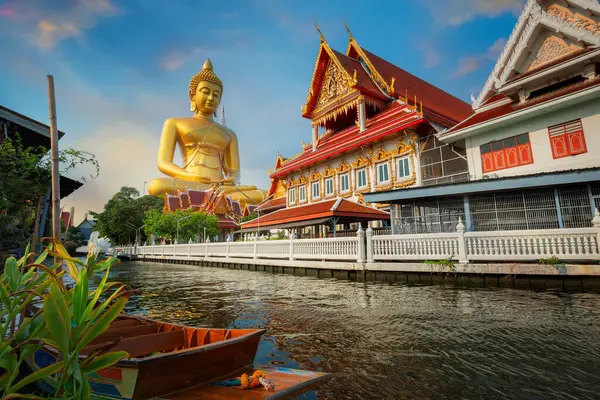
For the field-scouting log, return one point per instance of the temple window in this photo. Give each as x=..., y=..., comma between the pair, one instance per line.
x=567, y=139
x=442, y=162
x=402, y=168
x=329, y=186
x=316, y=190
x=361, y=178
x=302, y=193
x=383, y=173
x=292, y=195
x=506, y=153
x=344, y=182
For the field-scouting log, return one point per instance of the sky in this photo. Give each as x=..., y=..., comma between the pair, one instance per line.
x=122, y=67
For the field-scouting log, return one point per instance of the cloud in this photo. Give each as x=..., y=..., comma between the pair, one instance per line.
x=221, y=41
x=47, y=25
x=473, y=63
x=457, y=12
x=432, y=57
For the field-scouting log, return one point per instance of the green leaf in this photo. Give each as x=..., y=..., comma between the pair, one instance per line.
x=80, y=297
x=11, y=271
x=42, y=257
x=103, y=361
x=102, y=323
x=56, y=316
x=99, y=290
x=4, y=295
x=37, y=375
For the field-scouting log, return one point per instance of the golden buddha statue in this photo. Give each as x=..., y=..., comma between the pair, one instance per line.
x=210, y=151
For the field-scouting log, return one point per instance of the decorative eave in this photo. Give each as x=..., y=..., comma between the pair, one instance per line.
x=530, y=19
x=383, y=85
x=318, y=73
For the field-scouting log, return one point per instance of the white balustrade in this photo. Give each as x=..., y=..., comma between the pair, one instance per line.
x=326, y=249
x=577, y=244
x=564, y=244
x=437, y=246
x=273, y=249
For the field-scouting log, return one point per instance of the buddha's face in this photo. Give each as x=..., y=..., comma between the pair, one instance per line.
x=207, y=97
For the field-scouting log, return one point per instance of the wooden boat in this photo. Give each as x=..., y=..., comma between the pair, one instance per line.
x=167, y=358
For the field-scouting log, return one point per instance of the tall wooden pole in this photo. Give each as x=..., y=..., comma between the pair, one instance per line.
x=54, y=161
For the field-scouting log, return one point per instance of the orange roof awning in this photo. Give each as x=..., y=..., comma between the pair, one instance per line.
x=316, y=214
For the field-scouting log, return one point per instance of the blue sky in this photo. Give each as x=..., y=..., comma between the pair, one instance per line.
x=122, y=67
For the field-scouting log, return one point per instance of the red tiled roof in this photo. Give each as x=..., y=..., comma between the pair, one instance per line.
x=507, y=109
x=66, y=218
x=397, y=119
x=319, y=210
x=173, y=203
x=433, y=98
x=273, y=204
x=236, y=208
x=185, y=200
x=197, y=197
x=226, y=223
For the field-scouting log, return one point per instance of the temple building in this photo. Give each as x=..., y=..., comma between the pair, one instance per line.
x=531, y=143
x=374, y=128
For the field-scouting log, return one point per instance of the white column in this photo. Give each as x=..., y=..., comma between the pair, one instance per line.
x=361, y=114
x=417, y=155
x=292, y=236
x=206, y=244
x=361, y=245
x=462, y=247
x=228, y=243
x=369, y=245
x=255, y=247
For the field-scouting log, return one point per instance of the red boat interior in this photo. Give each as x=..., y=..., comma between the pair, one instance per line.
x=143, y=338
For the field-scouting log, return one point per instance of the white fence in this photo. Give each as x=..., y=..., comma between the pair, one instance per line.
x=577, y=244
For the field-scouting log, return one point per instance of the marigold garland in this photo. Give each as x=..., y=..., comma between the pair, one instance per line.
x=253, y=381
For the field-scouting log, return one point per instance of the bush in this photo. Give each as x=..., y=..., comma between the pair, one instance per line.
x=67, y=321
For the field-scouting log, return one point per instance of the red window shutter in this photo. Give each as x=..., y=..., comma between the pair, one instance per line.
x=576, y=142
x=487, y=163
x=559, y=146
x=525, y=155
x=499, y=159
x=512, y=158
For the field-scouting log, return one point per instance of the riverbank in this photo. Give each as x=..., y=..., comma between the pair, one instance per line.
x=561, y=277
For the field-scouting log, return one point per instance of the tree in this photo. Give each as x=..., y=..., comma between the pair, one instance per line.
x=73, y=234
x=24, y=179
x=124, y=211
x=191, y=223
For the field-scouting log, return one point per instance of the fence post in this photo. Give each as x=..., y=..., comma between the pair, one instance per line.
x=162, y=250
x=190, y=248
x=255, y=247
x=596, y=224
x=206, y=244
x=369, y=245
x=360, y=235
x=462, y=245
x=292, y=236
x=228, y=242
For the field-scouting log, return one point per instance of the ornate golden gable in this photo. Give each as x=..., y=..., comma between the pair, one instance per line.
x=315, y=176
x=389, y=88
x=381, y=155
x=403, y=148
x=361, y=161
x=343, y=167
x=328, y=171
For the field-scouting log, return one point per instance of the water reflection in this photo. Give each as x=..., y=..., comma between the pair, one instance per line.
x=391, y=340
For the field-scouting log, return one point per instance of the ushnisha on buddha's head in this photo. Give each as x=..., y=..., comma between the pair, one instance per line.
x=205, y=91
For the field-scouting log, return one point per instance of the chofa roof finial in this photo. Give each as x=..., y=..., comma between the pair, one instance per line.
x=348, y=30
x=318, y=30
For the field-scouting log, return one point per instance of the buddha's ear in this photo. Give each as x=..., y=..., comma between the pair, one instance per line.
x=193, y=106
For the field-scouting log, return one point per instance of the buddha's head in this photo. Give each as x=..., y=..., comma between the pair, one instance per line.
x=205, y=91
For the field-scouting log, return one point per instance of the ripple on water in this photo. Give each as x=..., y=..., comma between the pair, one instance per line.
x=391, y=340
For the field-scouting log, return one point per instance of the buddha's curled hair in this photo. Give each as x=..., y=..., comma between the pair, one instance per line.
x=205, y=75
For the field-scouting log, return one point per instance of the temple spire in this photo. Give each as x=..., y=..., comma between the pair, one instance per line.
x=222, y=119
x=318, y=30
x=348, y=30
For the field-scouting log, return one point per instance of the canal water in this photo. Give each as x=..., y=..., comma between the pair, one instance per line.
x=390, y=341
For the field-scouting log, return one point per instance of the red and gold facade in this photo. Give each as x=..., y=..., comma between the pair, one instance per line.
x=367, y=117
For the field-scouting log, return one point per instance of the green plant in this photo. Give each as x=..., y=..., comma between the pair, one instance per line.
x=67, y=321
x=550, y=261
x=449, y=262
